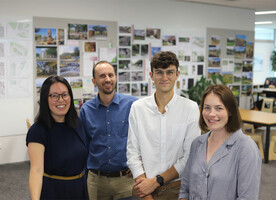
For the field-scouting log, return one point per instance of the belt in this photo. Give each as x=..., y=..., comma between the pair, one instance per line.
x=110, y=174
x=168, y=186
x=64, y=177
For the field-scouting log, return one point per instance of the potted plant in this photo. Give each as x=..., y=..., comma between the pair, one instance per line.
x=195, y=92
x=273, y=61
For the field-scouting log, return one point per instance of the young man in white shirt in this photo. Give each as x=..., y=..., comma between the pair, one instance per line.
x=161, y=130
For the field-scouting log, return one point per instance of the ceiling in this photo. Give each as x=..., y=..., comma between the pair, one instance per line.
x=257, y=5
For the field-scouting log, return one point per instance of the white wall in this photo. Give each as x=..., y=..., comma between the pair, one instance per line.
x=164, y=13
x=169, y=15
x=263, y=49
x=13, y=149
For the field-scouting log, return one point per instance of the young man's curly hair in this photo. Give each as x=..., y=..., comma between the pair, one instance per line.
x=164, y=59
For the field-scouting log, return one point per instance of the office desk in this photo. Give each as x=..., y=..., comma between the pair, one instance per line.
x=267, y=91
x=263, y=119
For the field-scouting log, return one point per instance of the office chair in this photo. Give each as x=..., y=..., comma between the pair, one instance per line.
x=272, y=148
x=267, y=105
x=249, y=130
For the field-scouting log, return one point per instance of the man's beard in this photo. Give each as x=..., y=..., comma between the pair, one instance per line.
x=108, y=91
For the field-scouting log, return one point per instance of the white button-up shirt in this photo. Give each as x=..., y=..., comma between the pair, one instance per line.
x=157, y=141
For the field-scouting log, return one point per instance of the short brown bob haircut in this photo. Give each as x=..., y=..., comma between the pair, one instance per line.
x=164, y=59
x=228, y=99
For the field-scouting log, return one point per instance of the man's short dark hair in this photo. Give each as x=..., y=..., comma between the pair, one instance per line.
x=164, y=59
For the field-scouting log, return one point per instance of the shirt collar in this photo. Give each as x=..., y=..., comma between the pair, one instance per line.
x=114, y=100
x=204, y=137
x=171, y=102
x=233, y=138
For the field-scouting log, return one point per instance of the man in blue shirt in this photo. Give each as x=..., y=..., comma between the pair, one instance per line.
x=105, y=121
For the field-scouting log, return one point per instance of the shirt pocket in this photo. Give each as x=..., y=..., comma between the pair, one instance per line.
x=121, y=127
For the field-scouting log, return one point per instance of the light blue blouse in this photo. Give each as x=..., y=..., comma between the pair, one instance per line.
x=233, y=172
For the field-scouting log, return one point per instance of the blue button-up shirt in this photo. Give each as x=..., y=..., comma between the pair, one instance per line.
x=106, y=129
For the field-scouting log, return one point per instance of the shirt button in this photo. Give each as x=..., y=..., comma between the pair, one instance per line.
x=107, y=110
x=109, y=147
x=123, y=121
x=109, y=160
x=108, y=135
x=107, y=122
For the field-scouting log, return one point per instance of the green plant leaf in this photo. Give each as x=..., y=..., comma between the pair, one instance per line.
x=195, y=92
x=214, y=78
x=273, y=60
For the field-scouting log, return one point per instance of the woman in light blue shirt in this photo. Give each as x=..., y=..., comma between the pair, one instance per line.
x=224, y=163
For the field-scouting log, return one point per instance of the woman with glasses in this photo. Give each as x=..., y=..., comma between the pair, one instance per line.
x=57, y=145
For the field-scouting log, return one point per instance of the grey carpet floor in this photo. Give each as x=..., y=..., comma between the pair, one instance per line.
x=14, y=181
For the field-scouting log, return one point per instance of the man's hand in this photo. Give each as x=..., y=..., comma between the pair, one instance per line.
x=145, y=186
x=129, y=173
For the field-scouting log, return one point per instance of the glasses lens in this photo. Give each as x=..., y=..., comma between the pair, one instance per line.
x=169, y=74
x=65, y=96
x=158, y=74
x=55, y=97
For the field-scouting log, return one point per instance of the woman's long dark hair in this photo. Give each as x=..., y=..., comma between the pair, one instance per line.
x=44, y=116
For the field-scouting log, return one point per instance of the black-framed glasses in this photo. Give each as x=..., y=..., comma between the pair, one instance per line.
x=56, y=96
x=169, y=73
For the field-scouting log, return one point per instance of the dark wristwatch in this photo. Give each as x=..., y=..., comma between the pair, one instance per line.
x=160, y=180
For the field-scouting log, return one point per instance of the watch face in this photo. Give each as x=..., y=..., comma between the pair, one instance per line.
x=160, y=180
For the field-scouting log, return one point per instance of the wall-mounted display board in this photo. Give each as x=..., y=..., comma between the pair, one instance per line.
x=230, y=53
x=137, y=45
x=70, y=48
x=15, y=75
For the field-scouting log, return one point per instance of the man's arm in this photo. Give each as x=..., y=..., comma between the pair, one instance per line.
x=192, y=132
x=145, y=186
x=134, y=160
x=84, y=126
